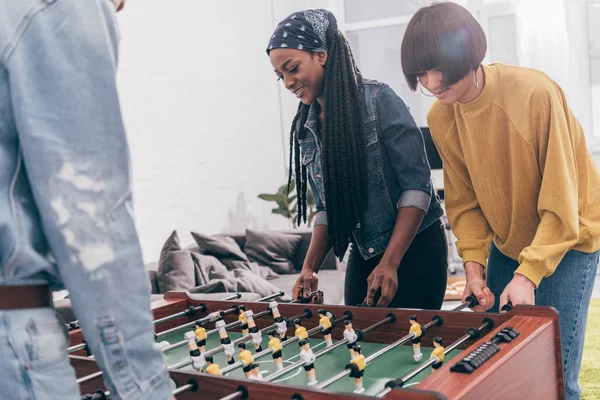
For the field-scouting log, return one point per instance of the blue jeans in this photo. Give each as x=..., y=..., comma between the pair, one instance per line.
x=33, y=350
x=569, y=290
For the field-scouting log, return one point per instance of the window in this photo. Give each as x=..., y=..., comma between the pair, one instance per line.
x=375, y=30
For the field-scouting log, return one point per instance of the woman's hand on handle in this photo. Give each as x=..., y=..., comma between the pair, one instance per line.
x=307, y=282
x=477, y=286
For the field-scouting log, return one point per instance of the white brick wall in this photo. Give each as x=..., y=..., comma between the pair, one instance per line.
x=204, y=120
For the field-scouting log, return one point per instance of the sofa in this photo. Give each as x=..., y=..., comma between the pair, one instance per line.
x=331, y=275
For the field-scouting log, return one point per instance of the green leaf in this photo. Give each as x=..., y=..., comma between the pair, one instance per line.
x=269, y=197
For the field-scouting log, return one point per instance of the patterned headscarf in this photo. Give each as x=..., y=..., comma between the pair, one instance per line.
x=309, y=30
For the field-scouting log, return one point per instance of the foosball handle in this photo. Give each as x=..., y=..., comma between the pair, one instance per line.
x=396, y=383
x=472, y=300
x=359, y=335
x=507, y=307
x=296, y=396
x=244, y=390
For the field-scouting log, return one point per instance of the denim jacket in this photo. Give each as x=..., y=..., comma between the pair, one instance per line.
x=65, y=201
x=397, y=168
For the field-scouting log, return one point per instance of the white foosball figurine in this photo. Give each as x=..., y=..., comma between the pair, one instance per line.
x=215, y=316
x=255, y=373
x=254, y=331
x=309, y=358
x=350, y=334
x=197, y=358
x=228, y=347
x=280, y=323
x=163, y=345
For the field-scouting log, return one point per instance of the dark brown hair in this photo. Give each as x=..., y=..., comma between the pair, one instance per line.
x=444, y=36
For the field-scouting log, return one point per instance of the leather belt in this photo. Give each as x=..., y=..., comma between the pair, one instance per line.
x=22, y=297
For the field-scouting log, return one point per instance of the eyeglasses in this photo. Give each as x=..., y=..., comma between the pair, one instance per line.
x=426, y=92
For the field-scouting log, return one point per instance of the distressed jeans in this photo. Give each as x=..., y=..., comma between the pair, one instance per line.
x=569, y=290
x=66, y=216
x=33, y=350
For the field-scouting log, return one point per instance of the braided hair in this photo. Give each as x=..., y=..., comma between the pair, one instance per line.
x=343, y=161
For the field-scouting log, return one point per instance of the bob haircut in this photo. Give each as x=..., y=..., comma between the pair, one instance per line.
x=442, y=36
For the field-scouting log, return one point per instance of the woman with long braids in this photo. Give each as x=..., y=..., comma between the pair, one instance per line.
x=354, y=141
x=522, y=190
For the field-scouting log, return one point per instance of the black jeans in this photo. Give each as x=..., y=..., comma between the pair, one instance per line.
x=422, y=275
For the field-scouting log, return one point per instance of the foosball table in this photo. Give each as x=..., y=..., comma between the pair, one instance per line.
x=264, y=350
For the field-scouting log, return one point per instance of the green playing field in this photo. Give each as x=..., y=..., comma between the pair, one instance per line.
x=391, y=365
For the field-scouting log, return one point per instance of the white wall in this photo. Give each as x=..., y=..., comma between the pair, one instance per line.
x=201, y=106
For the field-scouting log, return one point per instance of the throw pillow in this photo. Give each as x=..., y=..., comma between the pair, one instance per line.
x=227, y=251
x=272, y=249
x=222, y=247
x=176, y=270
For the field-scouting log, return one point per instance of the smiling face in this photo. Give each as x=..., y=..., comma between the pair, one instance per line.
x=433, y=81
x=302, y=72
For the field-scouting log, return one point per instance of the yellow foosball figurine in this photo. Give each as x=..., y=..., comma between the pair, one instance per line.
x=325, y=323
x=275, y=344
x=357, y=368
x=300, y=330
x=415, y=328
x=246, y=357
x=200, y=338
x=198, y=361
x=243, y=320
x=212, y=368
x=437, y=353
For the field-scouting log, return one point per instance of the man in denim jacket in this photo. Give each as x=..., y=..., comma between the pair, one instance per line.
x=65, y=206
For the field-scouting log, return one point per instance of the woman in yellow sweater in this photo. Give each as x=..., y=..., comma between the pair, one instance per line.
x=522, y=190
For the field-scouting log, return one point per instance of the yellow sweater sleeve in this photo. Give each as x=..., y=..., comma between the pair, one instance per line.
x=558, y=230
x=467, y=221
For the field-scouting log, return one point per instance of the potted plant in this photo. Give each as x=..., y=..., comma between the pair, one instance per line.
x=287, y=206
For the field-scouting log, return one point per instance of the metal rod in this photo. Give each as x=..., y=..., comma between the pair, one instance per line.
x=89, y=378
x=266, y=351
x=471, y=301
x=232, y=297
x=220, y=348
x=271, y=296
x=183, y=389
x=233, y=396
x=323, y=351
x=429, y=362
x=373, y=356
x=201, y=321
x=185, y=313
x=208, y=318
x=212, y=332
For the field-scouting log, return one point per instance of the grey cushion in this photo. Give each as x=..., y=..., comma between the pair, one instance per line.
x=219, y=246
x=273, y=249
x=228, y=252
x=176, y=270
x=305, y=234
